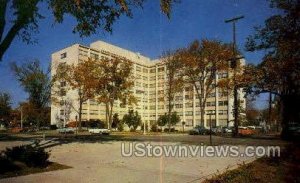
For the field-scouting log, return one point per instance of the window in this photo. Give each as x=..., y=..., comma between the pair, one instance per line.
x=160, y=77
x=223, y=103
x=210, y=111
x=152, y=107
x=223, y=94
x=152, y=100
x=210, y=104
x=152, y=70
x=160, y=84
x=188, y=104
x=211, y=95
x=223, y=112
x=161, y=69
x=62, y=112
x=62, y=102
x=178, y=98
x=63, y=84
x=94, y=56
x=138, y=76
x=145, y=70
x=63, y=55
x=138, y=68
x=189, y=113
x=62, y=92
x=178, y=105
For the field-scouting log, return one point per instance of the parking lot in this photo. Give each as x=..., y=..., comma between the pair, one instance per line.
x=96, y=158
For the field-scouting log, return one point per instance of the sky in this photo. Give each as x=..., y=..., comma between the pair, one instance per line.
x=148, y=32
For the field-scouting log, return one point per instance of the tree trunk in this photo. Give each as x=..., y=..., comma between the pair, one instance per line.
x=79, y=114
x=110, y=115
x=270, y=109
x=290, y=114
x=169, y=115
x=106, y=114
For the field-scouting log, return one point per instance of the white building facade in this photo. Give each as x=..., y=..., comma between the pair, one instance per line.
x=148, y=88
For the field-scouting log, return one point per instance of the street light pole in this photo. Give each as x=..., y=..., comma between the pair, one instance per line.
x=233, y=65
x=210, y=126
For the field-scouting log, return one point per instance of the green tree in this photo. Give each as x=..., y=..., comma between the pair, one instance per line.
x=175, y=118
x=90, y=16
x=115, y=121
x=162, y=120
x=132, y=119
x=36, y=82
x=5, y=107
x=171, y=120
x=280, y=68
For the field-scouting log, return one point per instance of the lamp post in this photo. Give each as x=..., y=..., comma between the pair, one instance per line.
x=233, y=65
x=210, y=126
x=76, y=124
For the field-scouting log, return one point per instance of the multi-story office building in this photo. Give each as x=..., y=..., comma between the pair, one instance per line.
x=149, y=89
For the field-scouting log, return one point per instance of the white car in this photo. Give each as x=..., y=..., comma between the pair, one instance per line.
x=99, y=131
x=66, y=130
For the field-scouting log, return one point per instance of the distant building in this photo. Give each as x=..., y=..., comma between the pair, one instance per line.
x=148, y=89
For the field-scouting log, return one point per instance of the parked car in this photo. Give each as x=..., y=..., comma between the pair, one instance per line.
x=66, y=130
x=103, y=131
x=294, y=129
x=199, y=130
x=217, y=129
x=227, y=129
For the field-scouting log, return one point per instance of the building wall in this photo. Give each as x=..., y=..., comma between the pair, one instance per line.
x=149, y=89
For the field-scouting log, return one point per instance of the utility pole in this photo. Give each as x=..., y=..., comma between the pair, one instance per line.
x=233, y=66
x=21, y=117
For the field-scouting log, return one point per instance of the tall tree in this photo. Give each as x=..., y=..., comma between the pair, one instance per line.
x=114, y=84
x=173, y=81
x=5, y=107
x=279, y=37
x=201, y=62
x=79, y=77
x=36, y=82
x=90, y=16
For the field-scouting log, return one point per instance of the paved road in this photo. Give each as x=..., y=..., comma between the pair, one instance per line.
x=101, y=161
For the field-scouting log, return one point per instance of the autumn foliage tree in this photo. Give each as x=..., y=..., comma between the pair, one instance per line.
x=90, y=15
x=79, y=77
x=173, y=80
x=201, y=62
x=114, y=84
x=280, y=68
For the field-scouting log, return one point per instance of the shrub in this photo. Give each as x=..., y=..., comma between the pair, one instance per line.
x=32, y=156
x=120, y=127
x=142, y=126
x=154, y=127
x=132, y=119
x=53, y=127
x=171, y=130
x=6, y=165
x=96, y=124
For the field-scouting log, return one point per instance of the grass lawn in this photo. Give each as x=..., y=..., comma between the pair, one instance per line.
x=24, y=170
x=285, y=168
